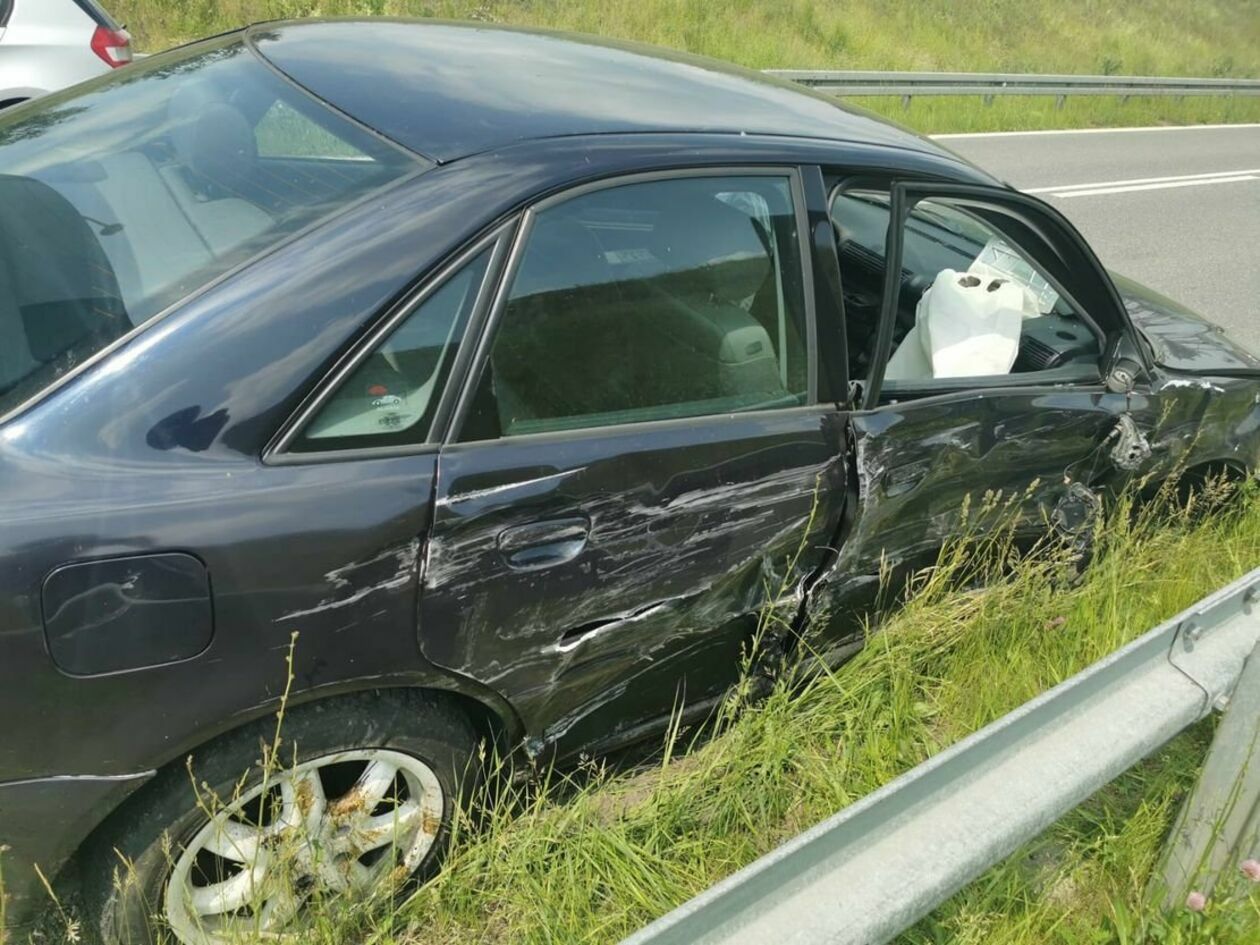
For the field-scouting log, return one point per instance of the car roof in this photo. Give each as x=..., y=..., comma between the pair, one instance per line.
x=447, y=90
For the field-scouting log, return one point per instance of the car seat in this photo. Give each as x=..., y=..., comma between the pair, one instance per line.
x=216, y=169
x=59, y=297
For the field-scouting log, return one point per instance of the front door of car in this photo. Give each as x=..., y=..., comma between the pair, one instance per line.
x=987, y=334
x=639, y=466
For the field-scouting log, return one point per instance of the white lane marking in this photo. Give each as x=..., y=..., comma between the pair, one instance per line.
x=1103, y=190
x=1088, y=131
x=1099, y=191
x=1173, y=179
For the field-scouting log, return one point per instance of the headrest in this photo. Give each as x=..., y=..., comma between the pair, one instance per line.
x=700, y=246
x=53, y=252
x=561, y=254
x=61, y=280
x=213, y=141
x=719, y=241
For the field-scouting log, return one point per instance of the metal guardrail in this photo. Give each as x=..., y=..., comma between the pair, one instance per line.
x=989, y=84
x=878, y=866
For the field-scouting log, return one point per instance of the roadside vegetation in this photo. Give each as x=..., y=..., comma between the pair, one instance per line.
x=586, y=856
x=1141, y=37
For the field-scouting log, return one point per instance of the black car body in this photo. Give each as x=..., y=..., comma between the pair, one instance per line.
x=564, y=575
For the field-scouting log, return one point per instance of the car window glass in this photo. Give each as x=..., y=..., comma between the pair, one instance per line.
x=972, y=303
x=390, y=398
x=119, y=201
x=283, y=131
x=648, y=301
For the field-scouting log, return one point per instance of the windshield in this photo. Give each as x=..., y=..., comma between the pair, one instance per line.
x=121, y=200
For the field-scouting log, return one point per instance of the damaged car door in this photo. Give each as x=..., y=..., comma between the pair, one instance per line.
x=639, y=466
x=1002, y=379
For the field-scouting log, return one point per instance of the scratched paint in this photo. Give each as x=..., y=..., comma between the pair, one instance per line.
x=353, y=583
x=673, y=574
x=687, y=541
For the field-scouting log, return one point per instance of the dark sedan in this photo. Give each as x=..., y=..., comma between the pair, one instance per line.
x=452, y=384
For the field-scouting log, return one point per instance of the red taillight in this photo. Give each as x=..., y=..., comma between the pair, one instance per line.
x=113, y=46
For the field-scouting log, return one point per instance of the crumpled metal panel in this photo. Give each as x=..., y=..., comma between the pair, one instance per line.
x=692, y=530
x=923, y=469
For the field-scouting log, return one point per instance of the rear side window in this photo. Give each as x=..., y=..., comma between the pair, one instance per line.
x=6, y=7
x=119, y=202
x=650, y=301
x=284, y=132
x=390, y=397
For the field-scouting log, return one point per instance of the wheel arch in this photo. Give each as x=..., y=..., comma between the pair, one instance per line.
x=1231, y=467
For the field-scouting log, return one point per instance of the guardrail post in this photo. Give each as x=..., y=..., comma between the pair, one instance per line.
x=1218, y=829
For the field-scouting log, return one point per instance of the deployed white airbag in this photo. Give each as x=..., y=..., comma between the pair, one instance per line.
x=966, y=325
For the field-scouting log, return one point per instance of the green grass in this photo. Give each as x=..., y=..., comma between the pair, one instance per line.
x=589, y=864
x=1139, y=37
x=586, y=857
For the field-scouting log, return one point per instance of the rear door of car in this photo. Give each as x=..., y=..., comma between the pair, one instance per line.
x=945, y=440
x=640, y=476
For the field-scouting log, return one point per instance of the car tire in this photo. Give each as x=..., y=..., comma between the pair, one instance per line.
x=128, y=871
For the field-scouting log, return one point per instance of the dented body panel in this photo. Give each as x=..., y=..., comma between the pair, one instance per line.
x=688, y=528
x=1181, y=339
x=924, y=466
x=924, y=470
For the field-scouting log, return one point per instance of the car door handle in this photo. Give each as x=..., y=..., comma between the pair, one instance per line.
x=544, y=544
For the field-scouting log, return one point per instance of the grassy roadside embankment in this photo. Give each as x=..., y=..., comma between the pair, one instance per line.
x=592, y=867
x=586, y=858
x=1140, y=37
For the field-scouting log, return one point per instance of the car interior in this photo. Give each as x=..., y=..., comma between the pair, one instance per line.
x=394, y=390
x=189, y=196
x=194, y=195
x=1045, y=331
x=648, y=302
x=59, y=297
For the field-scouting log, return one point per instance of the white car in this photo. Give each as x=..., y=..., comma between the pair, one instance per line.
x=47, y=45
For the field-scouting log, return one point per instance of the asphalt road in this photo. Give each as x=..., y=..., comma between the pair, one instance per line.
x=1175, y=208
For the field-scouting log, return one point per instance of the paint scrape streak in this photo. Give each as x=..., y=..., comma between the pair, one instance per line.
x=1202, y=383
x=397, y=564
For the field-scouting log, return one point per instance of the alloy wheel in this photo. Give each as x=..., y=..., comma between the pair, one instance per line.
x=344, y=824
